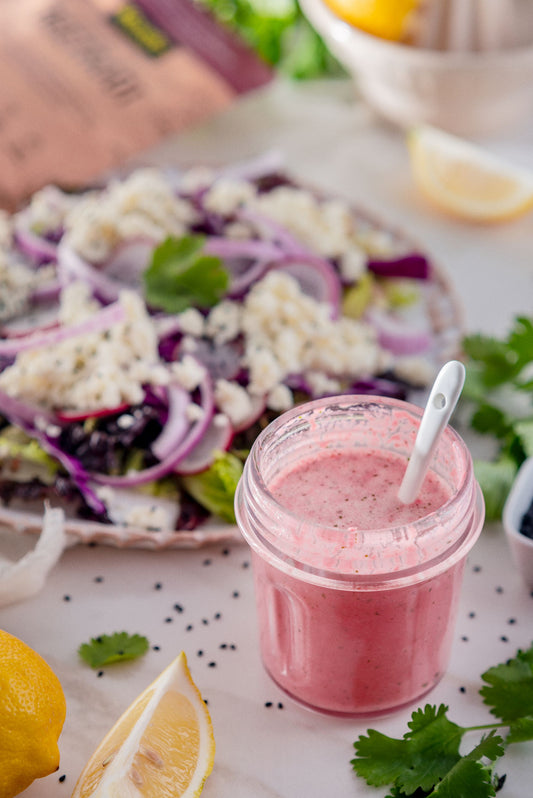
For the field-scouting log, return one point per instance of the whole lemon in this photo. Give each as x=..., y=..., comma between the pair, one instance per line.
x=32, y=713
x=387, y=19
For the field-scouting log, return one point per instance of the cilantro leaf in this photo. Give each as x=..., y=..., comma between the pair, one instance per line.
x=181, y=275
x=420, y=760
x=495, y=479
x=520, y=730
x=118, y=647
x=509, y=687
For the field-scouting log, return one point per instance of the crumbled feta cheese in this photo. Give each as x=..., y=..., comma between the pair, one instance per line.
x=414, y=370
x=144, y=205
x=233, y=400
x=280, y=398
x=196, y=178
x=47, y=209
x=194, y=412
x=6, y=231
x=189, y=372
x=352, y=264
x=321, y=385
x=226, y=195
x=91, y=371
x=223, y=322
x=288, y=332
x=191, y=322
x=17, y=283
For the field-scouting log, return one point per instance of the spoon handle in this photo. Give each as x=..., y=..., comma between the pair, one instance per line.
x=440, y=405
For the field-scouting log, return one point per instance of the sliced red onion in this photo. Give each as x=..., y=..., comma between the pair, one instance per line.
x=98, y=322
x=397, y=335
x=223, y=361
x=411, y=265
x=18, y=411
x=316, y=276
x=48, y=292
x=38, y=249
x=72, y=267
x=216, y=438
x=128, y=261
x=169, y=464
x=234, y=248
x=255, y=168
x=277, y=232
x=177, y=423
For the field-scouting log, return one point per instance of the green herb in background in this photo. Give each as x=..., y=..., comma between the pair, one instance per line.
x=181, y=275
x=427, y=762
x=498, y=395
x=279, y=33
x=118, y=647
x=215, y=488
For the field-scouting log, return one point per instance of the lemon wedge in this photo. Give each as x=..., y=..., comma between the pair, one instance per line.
x=465, y=180
x=387, y=19
x=162, y=746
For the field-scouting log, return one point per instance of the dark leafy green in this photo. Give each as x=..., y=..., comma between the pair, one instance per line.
x=181, y=275
x=427, y=761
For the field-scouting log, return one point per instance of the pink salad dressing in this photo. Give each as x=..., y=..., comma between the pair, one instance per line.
x=356, y=593
x=355, y=489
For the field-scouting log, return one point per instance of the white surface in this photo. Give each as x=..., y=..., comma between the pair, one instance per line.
x=270, y=752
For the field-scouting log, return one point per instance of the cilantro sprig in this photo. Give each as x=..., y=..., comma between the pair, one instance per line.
x=182, y=275
x=498, y=398
x=118, y=647
x=427, y=760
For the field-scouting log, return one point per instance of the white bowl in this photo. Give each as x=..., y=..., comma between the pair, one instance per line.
x=518, y=501
x=466, y=93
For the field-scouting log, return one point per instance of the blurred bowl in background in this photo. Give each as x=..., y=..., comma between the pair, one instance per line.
x=517, y=504
x=466, y=93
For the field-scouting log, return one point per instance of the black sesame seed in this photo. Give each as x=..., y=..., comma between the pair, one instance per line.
x=158, y=586
x=462, y=689
x=217, y=616
x=62, y=778
x=268, y=703
x=156, y=648
x=206, y=562
x=465, y=638
x=169, y=620
x=206, y=702
x=212, y=665
x=233, y=647
x=100, y=673
x=178, y=607
x=200, y=653
x=99, y=579
x=499, y=589
x=511, y=621
x=471, y=614
x=476, y=569
x=189, y=627
x=66, y=598
x=246, y=565
x=504, y=639
x=235, y=594
x=280, y=705
x=223, y=645
x=225, y=552
x=205, y=621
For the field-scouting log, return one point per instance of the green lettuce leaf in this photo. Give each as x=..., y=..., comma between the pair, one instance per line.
x=215, y=488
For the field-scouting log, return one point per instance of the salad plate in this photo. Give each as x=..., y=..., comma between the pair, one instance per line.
x=152, y=326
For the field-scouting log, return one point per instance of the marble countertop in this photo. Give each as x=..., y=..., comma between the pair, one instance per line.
x=202, y=601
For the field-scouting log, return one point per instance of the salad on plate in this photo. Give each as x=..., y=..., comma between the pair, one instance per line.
x=152, y=326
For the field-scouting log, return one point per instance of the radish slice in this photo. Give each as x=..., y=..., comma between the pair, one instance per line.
x=397, y=336
x=26, y=577
x=177, y=424
x=98, y=322
x=83, y=415
x=167, y=465
x=217, y=437
x=316, y=276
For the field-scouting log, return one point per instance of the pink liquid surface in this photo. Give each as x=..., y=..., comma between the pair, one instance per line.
x=355, y=651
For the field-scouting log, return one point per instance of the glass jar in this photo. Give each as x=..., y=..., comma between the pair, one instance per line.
x=355, y=621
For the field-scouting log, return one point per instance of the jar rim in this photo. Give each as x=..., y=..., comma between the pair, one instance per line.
x=462, y=505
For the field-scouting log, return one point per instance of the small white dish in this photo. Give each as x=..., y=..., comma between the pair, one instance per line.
x=517, y=504
x=465, y=92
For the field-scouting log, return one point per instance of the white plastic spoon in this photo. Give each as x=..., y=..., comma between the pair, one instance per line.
x=441, y=402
